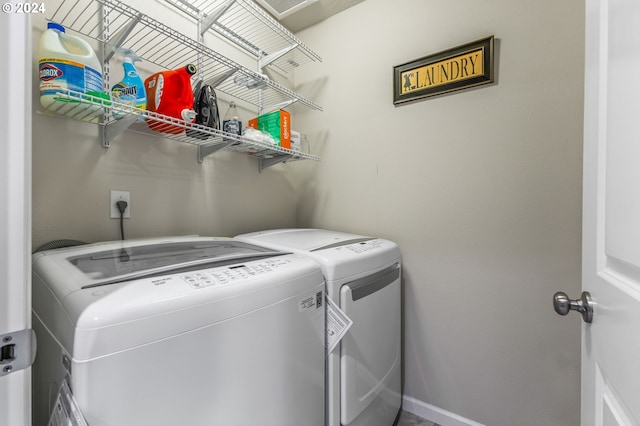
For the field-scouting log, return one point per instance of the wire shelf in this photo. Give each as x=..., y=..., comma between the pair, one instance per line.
x=251, y=28
x=113, y=24
x=81, y=106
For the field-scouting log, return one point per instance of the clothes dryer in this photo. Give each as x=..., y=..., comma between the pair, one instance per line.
x=180, y=331
x=363, y=279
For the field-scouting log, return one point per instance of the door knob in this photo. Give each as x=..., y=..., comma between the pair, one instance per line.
x=562, y=304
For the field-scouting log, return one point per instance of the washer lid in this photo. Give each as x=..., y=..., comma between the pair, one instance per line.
x=341, y=255
x=70, y=269
x=304, y=239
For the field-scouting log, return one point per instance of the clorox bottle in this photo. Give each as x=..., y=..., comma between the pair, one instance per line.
x=170, y=93
x=66, y=62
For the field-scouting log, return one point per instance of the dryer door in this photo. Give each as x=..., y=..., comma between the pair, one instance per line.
x=370, y=351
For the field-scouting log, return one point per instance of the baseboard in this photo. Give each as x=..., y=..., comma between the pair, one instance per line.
x=435, y=414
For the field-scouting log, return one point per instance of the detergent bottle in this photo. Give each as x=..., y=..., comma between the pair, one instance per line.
x=170, y=93
x=130, y=90
x=66, y=62
x=232, y=122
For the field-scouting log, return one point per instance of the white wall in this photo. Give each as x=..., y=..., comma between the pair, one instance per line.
x=171, y=193
x=481, y=189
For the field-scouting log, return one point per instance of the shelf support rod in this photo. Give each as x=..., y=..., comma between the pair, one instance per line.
x=121, y=36
x=215, y=81
x=268, y=162
x=215, y=15
x=205, y=150
x=115, y=128
x=272, y=57
x=184, y=5
x=281, y=105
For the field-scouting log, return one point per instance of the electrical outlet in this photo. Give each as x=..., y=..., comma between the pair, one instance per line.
x=113, y=208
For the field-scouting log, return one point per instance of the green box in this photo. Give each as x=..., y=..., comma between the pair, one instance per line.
x=277, y=124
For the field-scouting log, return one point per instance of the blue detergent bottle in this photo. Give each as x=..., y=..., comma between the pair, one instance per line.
x=130, y=90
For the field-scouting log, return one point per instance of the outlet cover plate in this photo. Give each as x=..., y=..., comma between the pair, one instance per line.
x=119, y=196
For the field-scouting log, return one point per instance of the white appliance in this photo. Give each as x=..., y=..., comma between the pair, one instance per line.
x=363, y=279
x=180, y=331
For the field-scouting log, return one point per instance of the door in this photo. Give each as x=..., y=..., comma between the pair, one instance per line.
x=611, y=214
x=15, y=218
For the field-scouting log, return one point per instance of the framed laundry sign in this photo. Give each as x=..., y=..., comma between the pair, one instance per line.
x=461, y=67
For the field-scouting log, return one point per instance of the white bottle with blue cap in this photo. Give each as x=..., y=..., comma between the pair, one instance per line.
x=66, y=63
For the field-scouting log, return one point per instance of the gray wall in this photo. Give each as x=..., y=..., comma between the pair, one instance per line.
x=481, y=189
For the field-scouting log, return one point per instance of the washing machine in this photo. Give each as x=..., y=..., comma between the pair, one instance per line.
x=180, y=331
x=363, y=279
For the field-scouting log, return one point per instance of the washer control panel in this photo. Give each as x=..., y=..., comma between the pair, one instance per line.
x=231, y=274
x=364, y=246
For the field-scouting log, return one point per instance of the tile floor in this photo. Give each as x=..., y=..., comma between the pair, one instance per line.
x=408, y=419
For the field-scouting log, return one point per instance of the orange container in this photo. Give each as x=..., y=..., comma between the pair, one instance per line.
x=170, y=93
